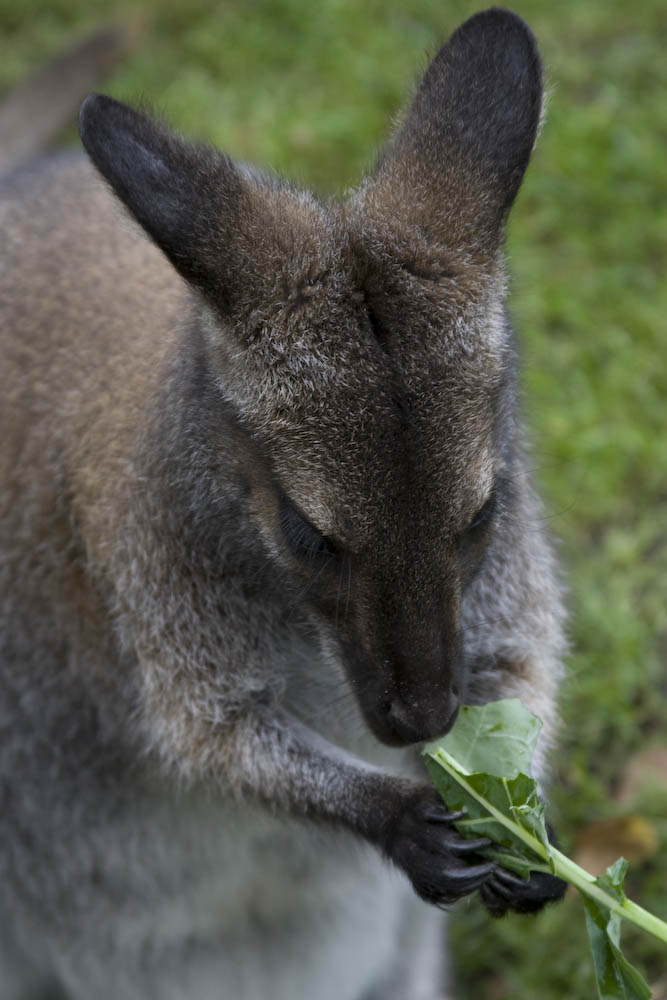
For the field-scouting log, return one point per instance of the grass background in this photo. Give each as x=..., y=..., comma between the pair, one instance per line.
x=310, y=89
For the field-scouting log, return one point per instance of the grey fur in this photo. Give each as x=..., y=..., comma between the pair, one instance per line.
x=204, y=748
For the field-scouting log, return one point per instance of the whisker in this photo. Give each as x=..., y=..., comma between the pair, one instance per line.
x=311, y=583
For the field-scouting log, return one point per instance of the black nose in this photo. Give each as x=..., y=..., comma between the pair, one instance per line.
x=416, y=724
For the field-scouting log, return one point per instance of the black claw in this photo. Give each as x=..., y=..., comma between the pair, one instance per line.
x=452, y=840
x=510, y=879
x=439, y=814
x=475, y=875
x=470, y=846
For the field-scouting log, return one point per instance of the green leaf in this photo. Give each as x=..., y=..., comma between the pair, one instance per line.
x=513, y=862
x=498, y=738
x=613, y=880
x=532, y=816
x=482, y=795
x=479, y=767
x=615, y=977
x=482, y=767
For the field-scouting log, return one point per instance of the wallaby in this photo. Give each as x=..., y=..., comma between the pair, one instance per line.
x=266, y=523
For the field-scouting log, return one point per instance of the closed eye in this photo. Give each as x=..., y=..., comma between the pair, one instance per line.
x=485, y=514
x=302, y=538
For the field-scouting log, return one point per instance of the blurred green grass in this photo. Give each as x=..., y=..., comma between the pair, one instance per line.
x=311, y=89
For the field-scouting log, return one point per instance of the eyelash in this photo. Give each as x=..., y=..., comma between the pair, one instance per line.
x=304, y=540
x=485, y=514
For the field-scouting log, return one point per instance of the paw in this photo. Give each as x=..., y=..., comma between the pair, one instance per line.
x=505, y=891
x=442, y=865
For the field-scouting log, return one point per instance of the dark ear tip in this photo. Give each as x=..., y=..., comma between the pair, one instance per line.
x=499, y=17
x=498, y=21
x=94, y=109
x=88, y=113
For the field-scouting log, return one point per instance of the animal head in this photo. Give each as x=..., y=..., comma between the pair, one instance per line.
x=364, y=350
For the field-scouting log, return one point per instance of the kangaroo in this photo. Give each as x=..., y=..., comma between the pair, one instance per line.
x=266, y=523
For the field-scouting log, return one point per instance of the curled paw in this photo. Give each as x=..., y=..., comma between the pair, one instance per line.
x=505, y=891
x=442, y=865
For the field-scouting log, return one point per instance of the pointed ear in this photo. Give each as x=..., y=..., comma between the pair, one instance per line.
x=188, y=198
x=460, y=156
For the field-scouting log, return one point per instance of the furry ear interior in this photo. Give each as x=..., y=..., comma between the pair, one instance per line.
x=465, y=144
x=188, y=198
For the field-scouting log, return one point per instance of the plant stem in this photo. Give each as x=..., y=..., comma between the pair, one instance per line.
x=585, y=882
x=560, y=864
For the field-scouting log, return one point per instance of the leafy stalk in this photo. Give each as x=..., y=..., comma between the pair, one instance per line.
x=482, y=767
x=555, y=862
